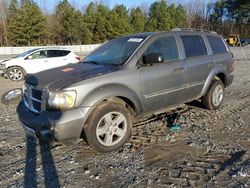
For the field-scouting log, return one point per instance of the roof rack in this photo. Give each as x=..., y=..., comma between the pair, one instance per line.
x=193, y=29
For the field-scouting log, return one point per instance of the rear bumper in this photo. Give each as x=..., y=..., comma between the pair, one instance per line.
x=63, y=126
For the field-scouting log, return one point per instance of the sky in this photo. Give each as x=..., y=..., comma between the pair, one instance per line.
x=80, y=4
x=50, y=5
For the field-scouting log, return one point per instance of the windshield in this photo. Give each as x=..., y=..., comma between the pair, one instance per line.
x=26, y=53
x=115, y=52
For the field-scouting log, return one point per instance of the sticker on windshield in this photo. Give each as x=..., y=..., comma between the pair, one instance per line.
x=135, y=40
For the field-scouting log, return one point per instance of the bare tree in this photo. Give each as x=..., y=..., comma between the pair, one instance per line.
x=196, y=10
x=3, y=13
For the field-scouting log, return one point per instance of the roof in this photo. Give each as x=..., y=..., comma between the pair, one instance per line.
x=51, y=48
x=147, y=34
x=193, y=30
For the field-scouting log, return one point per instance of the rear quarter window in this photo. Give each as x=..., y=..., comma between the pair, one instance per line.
x=57, y=53
x=64, y=52
x=217, y=45
x=194, y=46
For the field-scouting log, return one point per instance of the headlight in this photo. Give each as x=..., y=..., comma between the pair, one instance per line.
x=2, y=66
x=61, y=100
x=24, y=88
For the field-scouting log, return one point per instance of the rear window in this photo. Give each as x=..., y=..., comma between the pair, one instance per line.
x=217, y=45
x=57, y=53
x=194, y=46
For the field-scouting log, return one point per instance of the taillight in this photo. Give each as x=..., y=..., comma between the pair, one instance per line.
x=78, y=58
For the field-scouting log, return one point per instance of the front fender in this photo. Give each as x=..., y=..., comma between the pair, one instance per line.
x=111, y=90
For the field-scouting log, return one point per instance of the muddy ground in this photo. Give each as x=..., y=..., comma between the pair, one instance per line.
x=212, y=149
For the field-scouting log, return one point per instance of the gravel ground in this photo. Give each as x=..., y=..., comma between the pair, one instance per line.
x=210, y=150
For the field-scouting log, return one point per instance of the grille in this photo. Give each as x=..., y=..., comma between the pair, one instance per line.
x=33, y=98
x=37, y=94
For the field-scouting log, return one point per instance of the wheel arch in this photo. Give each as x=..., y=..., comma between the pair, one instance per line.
x=214, y=75
x=17, y=66
x=115, y=93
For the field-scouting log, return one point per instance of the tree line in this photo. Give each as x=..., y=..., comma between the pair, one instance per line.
x=24, y=23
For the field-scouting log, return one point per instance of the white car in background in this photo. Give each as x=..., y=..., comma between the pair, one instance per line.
x=36, y=60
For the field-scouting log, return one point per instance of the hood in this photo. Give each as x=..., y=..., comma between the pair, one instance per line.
x=3, y=60
x=60, y=77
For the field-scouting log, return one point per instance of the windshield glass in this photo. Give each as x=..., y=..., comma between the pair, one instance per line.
x=115, y=52
x=26, y=53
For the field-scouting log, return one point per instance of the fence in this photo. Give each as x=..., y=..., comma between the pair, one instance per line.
x=81, y=49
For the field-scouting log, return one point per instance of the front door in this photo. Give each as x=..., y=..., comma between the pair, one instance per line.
x=36, y=62
x=162, y=84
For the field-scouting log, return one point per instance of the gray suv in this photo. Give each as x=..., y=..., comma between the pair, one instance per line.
x=122, y=79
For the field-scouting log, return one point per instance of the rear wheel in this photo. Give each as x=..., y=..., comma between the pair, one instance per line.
x=214, y=96
x=108, y=127
x=16, y=74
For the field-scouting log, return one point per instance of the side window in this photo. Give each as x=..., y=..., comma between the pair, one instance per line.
x=217, y=45
x=39, y=55
x=194, y=46
x=166, y=46
x=52, y=53
x=57, y=53
x=63, y=53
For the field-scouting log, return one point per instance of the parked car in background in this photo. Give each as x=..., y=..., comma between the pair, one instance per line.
x=36, y=60
x=245, y=41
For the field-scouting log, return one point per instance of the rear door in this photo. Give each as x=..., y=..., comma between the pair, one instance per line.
x=162, y=83
x=57, y=58
x=198, y=62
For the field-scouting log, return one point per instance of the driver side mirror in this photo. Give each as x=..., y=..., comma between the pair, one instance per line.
x=153, y=58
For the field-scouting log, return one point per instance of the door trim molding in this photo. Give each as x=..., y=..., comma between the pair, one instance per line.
x=187, y=86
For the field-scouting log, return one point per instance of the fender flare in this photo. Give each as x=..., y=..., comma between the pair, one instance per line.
x=215, y=71
x=108, y=91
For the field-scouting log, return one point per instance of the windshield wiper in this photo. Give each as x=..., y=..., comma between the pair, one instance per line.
x=92, y=62
x=105, y=64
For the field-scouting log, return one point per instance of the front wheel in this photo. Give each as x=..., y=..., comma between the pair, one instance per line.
x=108, y=127
x=16, y=74
x=214, y=96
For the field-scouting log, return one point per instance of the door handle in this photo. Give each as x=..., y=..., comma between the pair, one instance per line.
x=45, y=61
x=179, y=70
x=211, y=64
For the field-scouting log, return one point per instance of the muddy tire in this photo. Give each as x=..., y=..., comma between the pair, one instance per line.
x=108, y=127
x=12, y=96
x=16, y=74
x=214, y=96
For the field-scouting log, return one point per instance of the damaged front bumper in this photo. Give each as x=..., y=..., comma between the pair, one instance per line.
x=62, y=126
